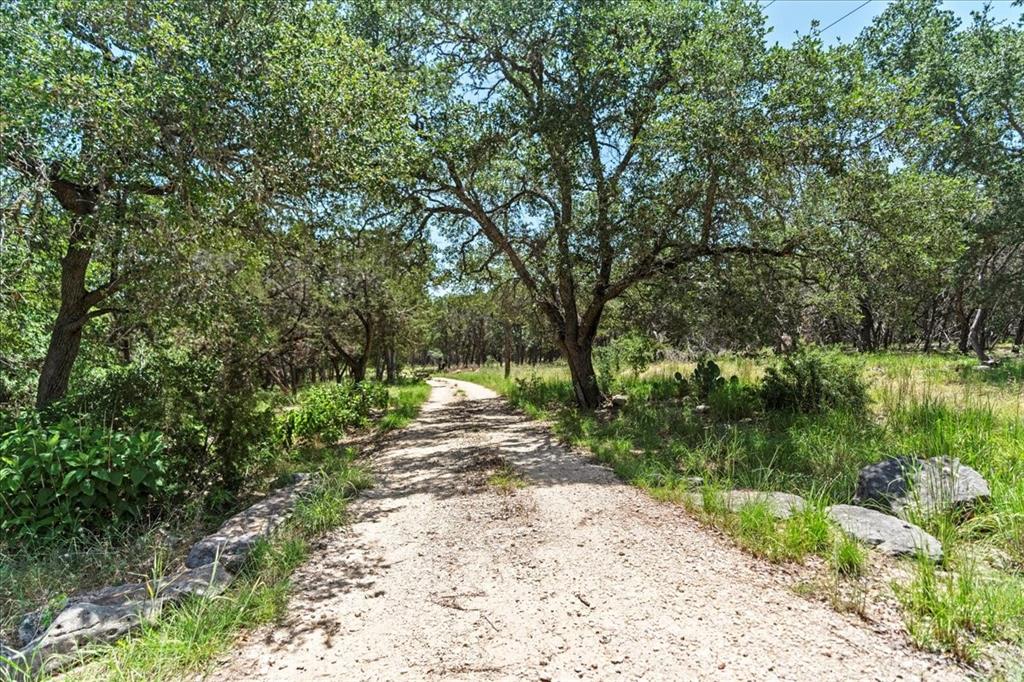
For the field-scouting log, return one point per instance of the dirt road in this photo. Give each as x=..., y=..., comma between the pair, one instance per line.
x=573, y=576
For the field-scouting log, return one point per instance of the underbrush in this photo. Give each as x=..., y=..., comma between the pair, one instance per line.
x=928, y=406
x=187, y=638
x=44, y=568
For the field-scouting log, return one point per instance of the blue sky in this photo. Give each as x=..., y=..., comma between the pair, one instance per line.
x=790, y=17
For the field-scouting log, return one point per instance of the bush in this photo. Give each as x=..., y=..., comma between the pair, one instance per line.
x=208, y=431
x=61, y=478
x=811, y=381
x=326, y=411
x=632, y=351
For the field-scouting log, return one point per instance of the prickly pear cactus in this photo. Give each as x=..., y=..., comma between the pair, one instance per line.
x=682, y=385
x=707, y=376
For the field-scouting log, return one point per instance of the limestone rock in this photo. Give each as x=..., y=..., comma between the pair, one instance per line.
x=206, y=580
x=906, y=484
x=885, y=533
x=82, y=624
x=781, y=505
x=233, y=540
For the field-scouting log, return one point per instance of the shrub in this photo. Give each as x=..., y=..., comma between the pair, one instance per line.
x=208, y=431
x=632, y=351
x=812, y=382
x=326, y=411
x=65, y=477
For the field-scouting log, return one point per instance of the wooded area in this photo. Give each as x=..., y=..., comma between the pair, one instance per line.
x=208, y=211
x=259, y=185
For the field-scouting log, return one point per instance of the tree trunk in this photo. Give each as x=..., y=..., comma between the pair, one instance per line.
x=867, y=328
x=66, y=337
x=1018, y=337
x=579, y=355
x=976, y=335
x=391, y=361
x=964, y=329
x=508, y=350
x=358, y=368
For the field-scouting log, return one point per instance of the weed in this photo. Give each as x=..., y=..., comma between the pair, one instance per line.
x=956, y=611
x=848, y=557
x=506, y=479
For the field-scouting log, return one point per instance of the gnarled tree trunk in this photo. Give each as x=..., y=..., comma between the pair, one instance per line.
x=580, y=356
x=976, y=334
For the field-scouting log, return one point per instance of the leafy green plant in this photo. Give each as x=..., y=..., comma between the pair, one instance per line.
x=632, y=351
x=66, y=477
x=811, y=381
x=326, y=411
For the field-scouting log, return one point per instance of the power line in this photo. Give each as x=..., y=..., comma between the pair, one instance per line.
x=863, y=4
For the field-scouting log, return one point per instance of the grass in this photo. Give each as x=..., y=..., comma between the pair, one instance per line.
x=957, y=611
x=189, y=636
x=927, y=405
x=506, y=479
x=848, y=557
x=405, y=400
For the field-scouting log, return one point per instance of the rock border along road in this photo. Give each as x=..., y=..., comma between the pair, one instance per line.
x=576, y=575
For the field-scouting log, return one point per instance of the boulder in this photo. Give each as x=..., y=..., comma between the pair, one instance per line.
x=82, y=624
x=233, y=540
x=702, y=409
x=207, y=580
x=904, y=485
x=781, y=505
x=619, y=400
x=885, y=533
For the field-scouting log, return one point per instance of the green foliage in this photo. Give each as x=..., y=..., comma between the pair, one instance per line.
x=732, y=400
x=327, y=411
x=211, y=430
x=67, y=478
x=805, y=532
x=632, y=351
x=682, y=385
x=812, y=381
x=533, y=391
x=405, y=403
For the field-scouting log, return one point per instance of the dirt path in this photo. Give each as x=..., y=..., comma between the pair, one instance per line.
x=576, y=575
